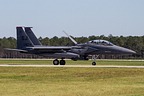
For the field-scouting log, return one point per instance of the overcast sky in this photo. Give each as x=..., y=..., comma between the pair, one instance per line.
x=77, y=17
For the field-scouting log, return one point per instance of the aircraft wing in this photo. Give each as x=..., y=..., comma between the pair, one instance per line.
x=19, y=50
x=50, y=48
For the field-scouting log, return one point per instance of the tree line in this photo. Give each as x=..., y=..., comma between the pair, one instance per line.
x=135, y=43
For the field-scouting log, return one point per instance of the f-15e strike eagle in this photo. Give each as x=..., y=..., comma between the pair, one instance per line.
x=27, y=42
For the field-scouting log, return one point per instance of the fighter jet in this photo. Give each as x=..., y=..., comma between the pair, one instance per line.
x=27, y=42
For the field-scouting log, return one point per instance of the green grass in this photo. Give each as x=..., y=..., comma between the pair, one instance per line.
x=62, y=81
x=70, y=62
x=21, y=81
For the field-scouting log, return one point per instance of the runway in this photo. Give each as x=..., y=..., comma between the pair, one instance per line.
x=73, y=66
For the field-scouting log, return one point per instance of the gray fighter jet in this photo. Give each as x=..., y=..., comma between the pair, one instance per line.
x=28, y=43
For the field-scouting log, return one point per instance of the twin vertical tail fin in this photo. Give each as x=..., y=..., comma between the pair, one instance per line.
x=26, y=38
x=32, y=36
x=23, y=40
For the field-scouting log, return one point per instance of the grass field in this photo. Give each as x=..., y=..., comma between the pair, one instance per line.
x=30, y=81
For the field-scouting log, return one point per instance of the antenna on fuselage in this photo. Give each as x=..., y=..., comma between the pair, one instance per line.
x=71, y=38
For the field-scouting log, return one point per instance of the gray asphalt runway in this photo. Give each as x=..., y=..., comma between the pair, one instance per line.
x=73, y=66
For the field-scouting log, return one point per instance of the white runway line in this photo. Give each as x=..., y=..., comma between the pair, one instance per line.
x=73, y=66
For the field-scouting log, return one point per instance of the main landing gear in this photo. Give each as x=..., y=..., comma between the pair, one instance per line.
x=57, y=62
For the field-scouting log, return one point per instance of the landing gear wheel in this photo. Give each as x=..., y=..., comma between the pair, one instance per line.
x=62, y=62
x=94, y=59
x=56, y=62
x=93, y=63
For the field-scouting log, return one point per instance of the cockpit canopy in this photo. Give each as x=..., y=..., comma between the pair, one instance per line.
x=101, y=42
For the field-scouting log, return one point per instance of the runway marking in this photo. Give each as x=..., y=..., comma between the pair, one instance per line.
x=73, y=66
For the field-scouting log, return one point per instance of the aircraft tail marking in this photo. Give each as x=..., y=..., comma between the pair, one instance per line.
x=23, y=40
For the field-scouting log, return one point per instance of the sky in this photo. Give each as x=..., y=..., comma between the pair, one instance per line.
x=77, y=17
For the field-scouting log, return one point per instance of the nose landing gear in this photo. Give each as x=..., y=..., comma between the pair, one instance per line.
x=94, y=59
x=94, y=63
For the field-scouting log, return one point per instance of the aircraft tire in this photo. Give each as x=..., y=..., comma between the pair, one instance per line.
x=93, y=63
x=62, y=62
x=56, y=62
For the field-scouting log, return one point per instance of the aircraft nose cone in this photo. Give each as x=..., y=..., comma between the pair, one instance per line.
x=123, y=50
x=131, y=51
x=128, y=51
